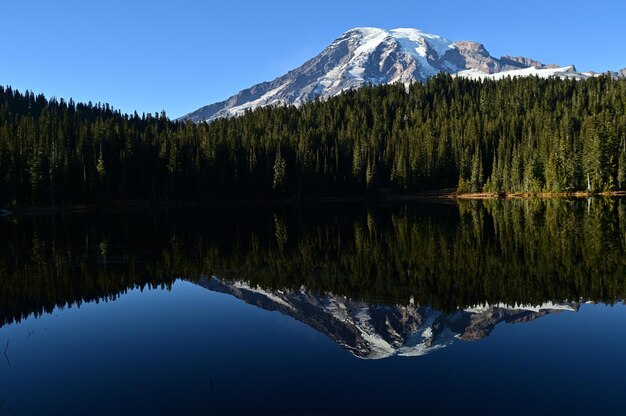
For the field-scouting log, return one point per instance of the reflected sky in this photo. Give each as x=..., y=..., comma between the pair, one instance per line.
x=190, y=349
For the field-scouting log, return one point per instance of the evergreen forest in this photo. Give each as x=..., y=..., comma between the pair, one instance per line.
x=523, y=135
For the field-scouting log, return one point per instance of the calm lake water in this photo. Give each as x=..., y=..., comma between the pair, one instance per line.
x=476, y=307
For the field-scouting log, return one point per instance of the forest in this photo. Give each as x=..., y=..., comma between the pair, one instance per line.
x=445, y=255
x=523, y=135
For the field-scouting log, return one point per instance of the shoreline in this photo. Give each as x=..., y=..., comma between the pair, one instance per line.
x=385, y=197
x=537, y=195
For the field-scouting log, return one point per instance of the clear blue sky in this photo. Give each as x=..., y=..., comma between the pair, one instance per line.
x=179, y=55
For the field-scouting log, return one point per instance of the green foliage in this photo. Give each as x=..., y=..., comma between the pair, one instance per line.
x=514, y=135
x=280, y=170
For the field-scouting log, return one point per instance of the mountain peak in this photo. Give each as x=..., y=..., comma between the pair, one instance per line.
x=370, y=55
x=364, y=30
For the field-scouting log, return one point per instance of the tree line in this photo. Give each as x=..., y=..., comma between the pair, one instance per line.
x=514, y=135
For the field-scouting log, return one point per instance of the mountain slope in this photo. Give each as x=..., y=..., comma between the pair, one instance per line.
x=361, y=56
x=377, y=56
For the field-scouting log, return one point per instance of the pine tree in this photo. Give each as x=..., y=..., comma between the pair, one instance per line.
x=621, y=172
x=280, y=168
x=476, y=180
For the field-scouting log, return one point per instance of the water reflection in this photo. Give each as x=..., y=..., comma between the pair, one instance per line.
x=344, y=281
x=444, y=256
x=373, y=331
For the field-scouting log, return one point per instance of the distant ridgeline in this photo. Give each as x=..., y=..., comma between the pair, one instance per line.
x=446, y=256
x=514, y=135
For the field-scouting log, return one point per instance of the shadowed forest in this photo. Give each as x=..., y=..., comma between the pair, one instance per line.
x=524, y=135
x=444, y=255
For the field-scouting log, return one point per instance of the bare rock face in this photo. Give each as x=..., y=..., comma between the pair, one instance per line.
x=364, y=56
x=521, y=62
x=474, y=56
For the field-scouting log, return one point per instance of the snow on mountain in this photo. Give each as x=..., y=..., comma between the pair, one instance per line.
x=380, y=331
x=366, y=55
x=564, y=72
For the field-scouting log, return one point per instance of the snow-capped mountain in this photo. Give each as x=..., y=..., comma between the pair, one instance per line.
x=381, y=331
x=564, y=72
x=377, y=56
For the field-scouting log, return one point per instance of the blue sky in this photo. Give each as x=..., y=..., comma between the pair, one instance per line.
x=179, y=55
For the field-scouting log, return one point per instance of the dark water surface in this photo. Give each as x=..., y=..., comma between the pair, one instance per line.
x=478, y=307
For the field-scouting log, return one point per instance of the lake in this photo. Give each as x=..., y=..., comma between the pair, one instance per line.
x=469, y=307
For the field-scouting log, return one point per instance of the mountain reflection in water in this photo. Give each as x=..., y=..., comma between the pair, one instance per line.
x=380, y=331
